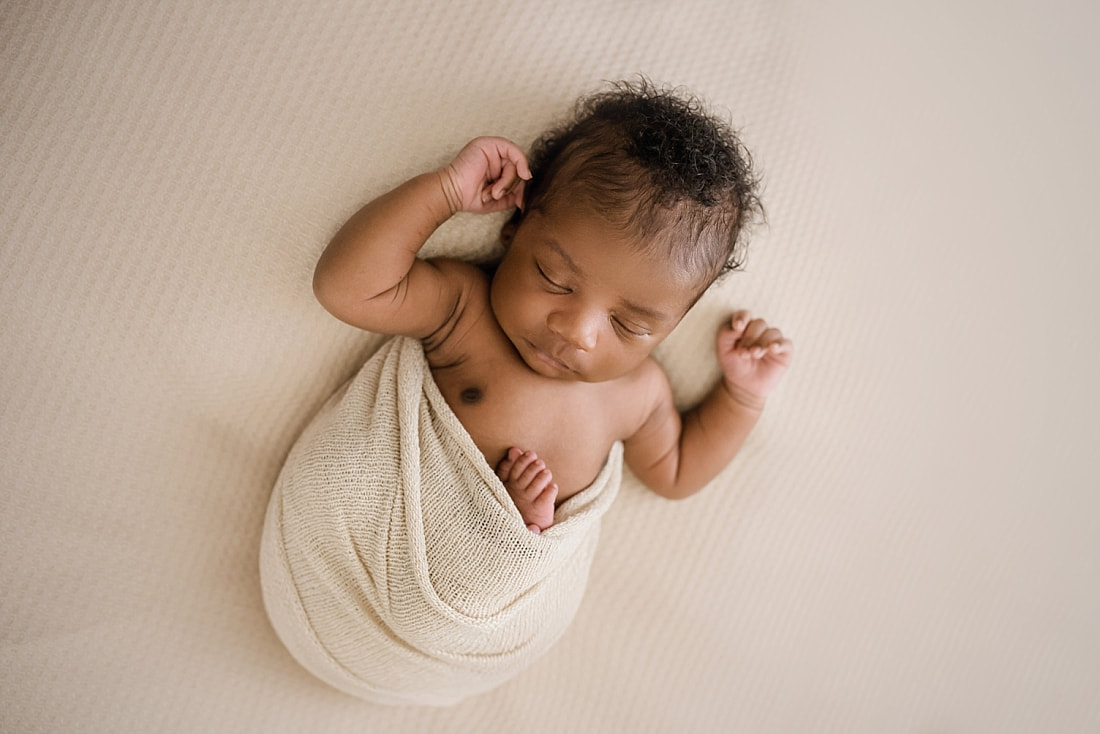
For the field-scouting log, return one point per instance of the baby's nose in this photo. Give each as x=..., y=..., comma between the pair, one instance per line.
x=578, y=329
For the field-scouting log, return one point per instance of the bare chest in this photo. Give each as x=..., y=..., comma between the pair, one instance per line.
x=502, y=403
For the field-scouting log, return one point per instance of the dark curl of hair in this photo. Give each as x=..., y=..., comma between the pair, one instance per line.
x=657, y=165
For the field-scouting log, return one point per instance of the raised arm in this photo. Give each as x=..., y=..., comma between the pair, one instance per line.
x=677, y=455
x=370, y=276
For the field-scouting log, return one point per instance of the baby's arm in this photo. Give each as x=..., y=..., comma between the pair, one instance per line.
x=370, y=276
x=531, y=486
x=677, y=455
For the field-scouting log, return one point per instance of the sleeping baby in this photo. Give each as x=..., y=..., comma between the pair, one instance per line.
x=533, y=381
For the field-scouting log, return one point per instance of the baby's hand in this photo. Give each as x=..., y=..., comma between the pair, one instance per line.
x=754, y=357
x=531, y=486
x=488, y=175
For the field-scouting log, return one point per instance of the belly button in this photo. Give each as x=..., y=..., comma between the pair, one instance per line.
x=471, y=395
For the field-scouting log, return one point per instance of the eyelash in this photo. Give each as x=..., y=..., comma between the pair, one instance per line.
x=557, y=286
x=562, y=290
x=622, y=329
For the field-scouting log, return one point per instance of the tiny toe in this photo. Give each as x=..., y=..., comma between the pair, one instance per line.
x=533, y=470
x=521, y=465
x=537, y=486
x=534, y=528
x=545, y=500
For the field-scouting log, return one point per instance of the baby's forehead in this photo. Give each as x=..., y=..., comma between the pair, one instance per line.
x=659, y=236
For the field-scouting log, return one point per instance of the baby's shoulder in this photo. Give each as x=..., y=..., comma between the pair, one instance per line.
x=649, y=376
x=638, y=393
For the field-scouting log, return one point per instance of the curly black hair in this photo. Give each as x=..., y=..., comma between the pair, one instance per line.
x=654, y=162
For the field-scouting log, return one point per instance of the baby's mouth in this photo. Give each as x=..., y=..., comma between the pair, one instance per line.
x=548, y=359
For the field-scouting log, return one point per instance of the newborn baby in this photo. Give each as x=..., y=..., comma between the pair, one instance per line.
x=398, y=561
x=623, y=218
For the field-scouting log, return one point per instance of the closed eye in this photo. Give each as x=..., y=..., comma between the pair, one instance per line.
x=554, y=285
x=625, y=330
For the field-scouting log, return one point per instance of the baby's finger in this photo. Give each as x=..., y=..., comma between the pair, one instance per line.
x=521, y=165
x=517, y=193
x=731, y=331
x=764, y=342
x=513, y=192
x=781, y=347
x=750, y=337
x=767, y=337
x=506, y=180
x=739, y=320
x=510, y=151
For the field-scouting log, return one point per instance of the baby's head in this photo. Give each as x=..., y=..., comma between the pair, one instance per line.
x=634, y=208
x=656, y=165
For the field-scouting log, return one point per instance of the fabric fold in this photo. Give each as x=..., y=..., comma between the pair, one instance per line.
x=394, y=564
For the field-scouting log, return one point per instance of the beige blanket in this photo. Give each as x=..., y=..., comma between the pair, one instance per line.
x=395, y=566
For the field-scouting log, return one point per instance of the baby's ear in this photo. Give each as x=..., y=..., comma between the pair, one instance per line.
x=508, y=232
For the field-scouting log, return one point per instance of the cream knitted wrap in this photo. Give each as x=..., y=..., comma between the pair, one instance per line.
x=395, y=566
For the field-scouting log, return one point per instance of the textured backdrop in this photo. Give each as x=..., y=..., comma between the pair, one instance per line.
x=910, y=541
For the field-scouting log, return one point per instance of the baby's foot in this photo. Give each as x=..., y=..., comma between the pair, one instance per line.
x=531, y=486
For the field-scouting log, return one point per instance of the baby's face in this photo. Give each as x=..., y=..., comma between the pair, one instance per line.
x=579, y=302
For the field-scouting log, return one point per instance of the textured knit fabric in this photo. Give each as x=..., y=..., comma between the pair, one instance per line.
x=394, y=564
